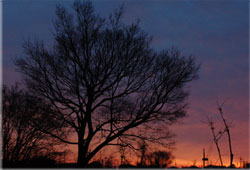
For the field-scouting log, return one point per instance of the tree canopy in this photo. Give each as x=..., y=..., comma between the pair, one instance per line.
x=22, y=139
x=105, y=81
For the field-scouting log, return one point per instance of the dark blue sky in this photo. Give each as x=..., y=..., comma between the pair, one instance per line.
x=216, y=32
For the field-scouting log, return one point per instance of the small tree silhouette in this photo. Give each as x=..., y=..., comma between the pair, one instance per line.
x=159, y=159
x=122, y=150
x=228, y=133
x=143, y=150
x=21, y=139
x=216, y=138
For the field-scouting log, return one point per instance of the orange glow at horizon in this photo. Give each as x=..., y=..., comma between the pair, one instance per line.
x=193, y=134
x=176, y=162
x=193, y=158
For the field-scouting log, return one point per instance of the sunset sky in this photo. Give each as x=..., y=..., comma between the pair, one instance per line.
x=216, y=32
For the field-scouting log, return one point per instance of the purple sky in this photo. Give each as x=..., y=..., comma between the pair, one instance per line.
x=216, y=32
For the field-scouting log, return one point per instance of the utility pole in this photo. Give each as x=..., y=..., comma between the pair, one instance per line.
x=204, y=159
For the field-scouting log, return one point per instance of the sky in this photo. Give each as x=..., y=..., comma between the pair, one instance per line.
x=215, y=32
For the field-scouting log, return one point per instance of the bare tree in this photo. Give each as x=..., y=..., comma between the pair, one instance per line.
x=122, y=150
x=220, y=134
x=142, y=150
x=228, y=134
x=216, y=138
x=159, y=159
x=105, y=81
x=20, y=139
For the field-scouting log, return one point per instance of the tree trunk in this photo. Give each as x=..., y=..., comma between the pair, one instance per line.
x=81, y=159
x=229, y=137
x=216, y=140
x=217, y=145
x=230, y=148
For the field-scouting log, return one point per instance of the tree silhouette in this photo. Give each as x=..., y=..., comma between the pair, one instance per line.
x=159, y=159
x=228, y=133
x=122, y=151
x=105, y=81
x=142, y=150
x=22, y=140
x=216, y=138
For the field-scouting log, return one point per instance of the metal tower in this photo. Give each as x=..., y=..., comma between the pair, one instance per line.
x=204, y=159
